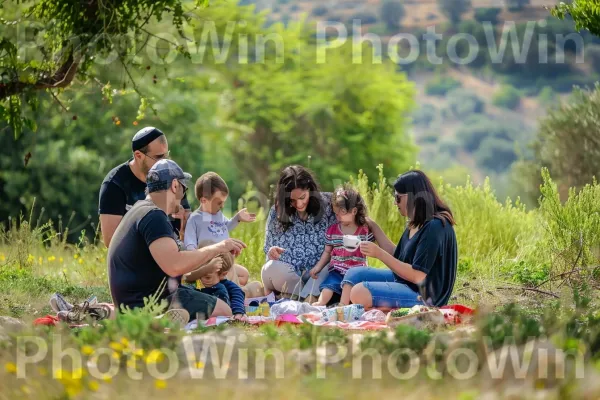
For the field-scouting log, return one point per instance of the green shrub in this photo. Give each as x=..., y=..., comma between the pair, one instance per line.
x=463, y=103
x=425, y=115
x=487, y=14
x=495, y=154
x=507, y=97
x=320, y=10
x=365, y=17
x=440, y=85
x=477, y=128
x=547, y=97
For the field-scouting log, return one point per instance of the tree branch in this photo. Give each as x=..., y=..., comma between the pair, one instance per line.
x=526, y=288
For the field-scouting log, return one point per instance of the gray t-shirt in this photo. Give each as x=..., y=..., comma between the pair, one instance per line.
x=203, y=226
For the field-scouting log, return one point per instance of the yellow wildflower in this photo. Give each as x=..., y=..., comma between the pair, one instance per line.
x=81, y=261
x=125, y=342
x=76, y=256
x=94, y=386
x=138, y=353
x=40, y=259
x=154, y=357
x=116, y=346
x=61, y=259
x=199, y=365
x=87, y=350
x=2, y=257
x=116, y=355
x=11, y=368
x=107, y=378
x=160, y=384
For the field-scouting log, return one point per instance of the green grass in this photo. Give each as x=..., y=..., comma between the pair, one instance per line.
x=500, y=244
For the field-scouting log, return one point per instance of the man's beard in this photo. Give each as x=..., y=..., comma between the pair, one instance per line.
x=144, y=168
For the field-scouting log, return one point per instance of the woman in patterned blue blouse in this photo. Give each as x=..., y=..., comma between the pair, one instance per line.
x=295, y=236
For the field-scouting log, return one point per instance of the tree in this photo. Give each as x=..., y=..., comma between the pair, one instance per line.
x=567, y=141
x=392, y=12
x=516, y=5
x=454, y=9
x=66, y=36
x=583, y=12
x=487, y=15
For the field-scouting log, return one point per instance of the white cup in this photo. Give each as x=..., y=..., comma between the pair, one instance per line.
x=351, y=242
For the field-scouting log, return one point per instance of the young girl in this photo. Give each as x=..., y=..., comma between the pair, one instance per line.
x=351, y=213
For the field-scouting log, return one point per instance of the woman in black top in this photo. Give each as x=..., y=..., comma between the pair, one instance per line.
x=424, y=261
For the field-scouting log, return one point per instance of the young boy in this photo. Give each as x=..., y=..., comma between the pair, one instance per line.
x=209, y=223
x=216, y=284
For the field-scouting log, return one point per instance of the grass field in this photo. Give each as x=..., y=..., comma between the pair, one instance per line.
x=543, y=260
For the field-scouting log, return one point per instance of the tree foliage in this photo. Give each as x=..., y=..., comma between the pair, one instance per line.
x=567, y=140
x=454, y=9
x=392, y=12
x=46, y=44
x=585, y=13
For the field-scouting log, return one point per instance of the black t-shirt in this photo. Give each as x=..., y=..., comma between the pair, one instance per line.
x=132, y=272
x=121, y=189
x=432, y=250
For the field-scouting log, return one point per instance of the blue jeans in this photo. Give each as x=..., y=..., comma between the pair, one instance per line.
x=382, y=285
x=333, y=282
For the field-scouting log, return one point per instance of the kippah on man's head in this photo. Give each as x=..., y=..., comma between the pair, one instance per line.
x=144, y=137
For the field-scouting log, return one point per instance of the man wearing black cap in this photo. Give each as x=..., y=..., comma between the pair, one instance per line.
x=126, y=183
x=144, y=259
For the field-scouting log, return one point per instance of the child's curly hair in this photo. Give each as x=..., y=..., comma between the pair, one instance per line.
x=346, y=198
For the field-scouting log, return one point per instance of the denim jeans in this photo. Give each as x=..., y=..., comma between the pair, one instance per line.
x=382, y=285
x=333, y=282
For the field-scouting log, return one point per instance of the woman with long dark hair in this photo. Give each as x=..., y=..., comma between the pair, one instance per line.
x=425, y=259
x=295, y=233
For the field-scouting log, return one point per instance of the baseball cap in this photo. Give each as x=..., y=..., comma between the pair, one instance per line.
x=162, y=173
x=144, y=137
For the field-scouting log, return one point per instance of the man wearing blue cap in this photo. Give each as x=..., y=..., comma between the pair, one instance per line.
x=143, y=254
x=126, y=183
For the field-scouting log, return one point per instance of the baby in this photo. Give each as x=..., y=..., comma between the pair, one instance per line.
x=216, y=283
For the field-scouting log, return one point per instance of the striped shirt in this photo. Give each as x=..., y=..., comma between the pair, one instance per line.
x=341, y=259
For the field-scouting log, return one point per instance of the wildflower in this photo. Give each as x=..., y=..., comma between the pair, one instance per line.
x=30, y=258
x=107, y=378
x=87, y=350
x=40, y=259
x=135, y=123
x=118, y=122
x=116, y=355
x=160, y=384
x=2, y=257
x=199, y=365
x=76, y=256
x=61, y=259
x=11, y=368
x=81, y=261
x=94, y=386
x=51, y=258
x=138, y=353
x=116, y=346
x=64, y=270
x=125, y=342
x=154, y=357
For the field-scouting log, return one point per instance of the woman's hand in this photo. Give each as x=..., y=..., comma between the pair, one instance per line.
x=275, y=253
x=370, y=249
x=214, y=265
